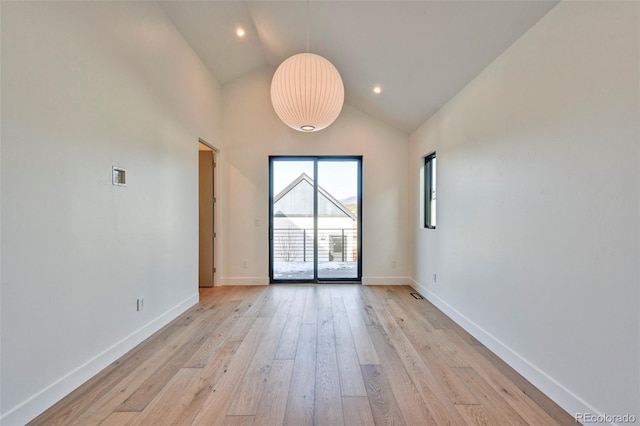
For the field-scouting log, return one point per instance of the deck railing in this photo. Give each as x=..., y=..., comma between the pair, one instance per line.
x=297, y=244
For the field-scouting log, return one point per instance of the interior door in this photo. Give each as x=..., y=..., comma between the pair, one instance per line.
x=206, y=235
x=314, y=232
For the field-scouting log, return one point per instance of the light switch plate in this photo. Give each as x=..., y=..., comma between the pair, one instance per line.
x=119, y=176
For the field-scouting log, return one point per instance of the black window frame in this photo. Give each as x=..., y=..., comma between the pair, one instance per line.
x=429, y=188
x=317, y=159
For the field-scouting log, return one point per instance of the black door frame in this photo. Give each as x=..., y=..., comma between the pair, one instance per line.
x=316, y=159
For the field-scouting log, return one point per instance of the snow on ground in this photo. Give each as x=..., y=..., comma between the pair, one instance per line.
x=305, y=269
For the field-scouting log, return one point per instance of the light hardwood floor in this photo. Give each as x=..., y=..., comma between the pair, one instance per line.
x=308, y=354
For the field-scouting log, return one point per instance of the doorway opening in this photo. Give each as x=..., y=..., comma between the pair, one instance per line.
x=207, y=158
x=315, y=205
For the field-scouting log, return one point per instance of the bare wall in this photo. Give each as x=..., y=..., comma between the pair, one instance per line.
x=537, y=246
x=87, y=86
x=252, y=132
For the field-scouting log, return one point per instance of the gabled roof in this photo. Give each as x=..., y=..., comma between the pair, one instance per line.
x=329, y=199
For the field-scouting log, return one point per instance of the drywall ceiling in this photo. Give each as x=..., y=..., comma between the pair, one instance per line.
x=420, y=52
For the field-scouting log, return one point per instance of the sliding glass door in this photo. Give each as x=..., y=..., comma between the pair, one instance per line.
x=293, y=248
x=315, y=205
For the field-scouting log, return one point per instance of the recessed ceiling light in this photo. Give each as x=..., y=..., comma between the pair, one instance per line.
x=377, y=90
x=240, y=32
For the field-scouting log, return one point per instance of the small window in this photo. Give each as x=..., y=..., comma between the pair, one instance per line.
x=430, y=191
x=336, y=243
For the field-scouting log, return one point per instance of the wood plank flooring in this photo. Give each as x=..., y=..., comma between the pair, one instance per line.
x=308, y=355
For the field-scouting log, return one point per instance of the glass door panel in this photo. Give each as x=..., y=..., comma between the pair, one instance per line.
x=292, y=238
x=337, y=219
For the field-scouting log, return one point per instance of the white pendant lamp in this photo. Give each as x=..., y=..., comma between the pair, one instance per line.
x=307, y=92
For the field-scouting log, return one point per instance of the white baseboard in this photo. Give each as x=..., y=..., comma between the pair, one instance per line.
x=386, y=281
x=38, y=403
x=229, y=281
x=249, y=281
x=562, y=396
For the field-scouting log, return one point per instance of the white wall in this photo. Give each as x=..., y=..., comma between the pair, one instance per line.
x=536, y=250
x=252, y=132
x=88, y=86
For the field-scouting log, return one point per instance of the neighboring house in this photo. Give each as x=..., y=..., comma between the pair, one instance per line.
x=293, y=223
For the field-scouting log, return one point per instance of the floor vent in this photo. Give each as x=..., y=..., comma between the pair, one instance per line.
x=417, y=296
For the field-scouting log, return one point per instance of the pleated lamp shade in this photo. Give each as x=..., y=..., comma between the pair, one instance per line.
x=307, y=92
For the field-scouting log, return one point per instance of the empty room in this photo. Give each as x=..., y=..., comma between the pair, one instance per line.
x=320, y=212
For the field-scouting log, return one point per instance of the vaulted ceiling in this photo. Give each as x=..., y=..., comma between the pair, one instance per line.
x=421, y=53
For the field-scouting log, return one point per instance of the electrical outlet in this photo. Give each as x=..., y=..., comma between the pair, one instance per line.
x=394, y=264
x=139, y=303
x=243, y=264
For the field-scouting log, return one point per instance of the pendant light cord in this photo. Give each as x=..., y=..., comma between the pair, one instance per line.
x=308, y=22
